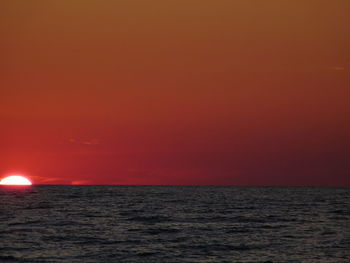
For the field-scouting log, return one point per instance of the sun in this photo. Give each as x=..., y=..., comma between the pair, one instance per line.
x=15, y=180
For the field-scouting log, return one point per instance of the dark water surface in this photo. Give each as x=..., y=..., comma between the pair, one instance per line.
x=174, y=224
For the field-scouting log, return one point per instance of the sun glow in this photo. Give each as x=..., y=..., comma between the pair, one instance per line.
x=15, y=180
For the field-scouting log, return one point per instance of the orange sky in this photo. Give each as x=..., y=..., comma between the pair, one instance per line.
x=176, y=92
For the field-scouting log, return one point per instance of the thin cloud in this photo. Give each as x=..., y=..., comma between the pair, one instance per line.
x=337, y=68
x=84, y=142
x=80, y=182
x=46, y=180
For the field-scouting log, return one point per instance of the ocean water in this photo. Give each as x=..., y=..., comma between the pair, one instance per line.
x=174, y=224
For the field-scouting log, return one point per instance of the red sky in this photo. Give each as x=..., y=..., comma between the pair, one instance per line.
x=176, y=92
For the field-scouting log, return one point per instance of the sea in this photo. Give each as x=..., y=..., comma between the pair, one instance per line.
x=174, y=224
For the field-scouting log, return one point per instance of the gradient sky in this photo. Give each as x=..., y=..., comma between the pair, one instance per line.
x=176, y=92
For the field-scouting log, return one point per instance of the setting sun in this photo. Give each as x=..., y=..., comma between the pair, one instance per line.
x=15, y=180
